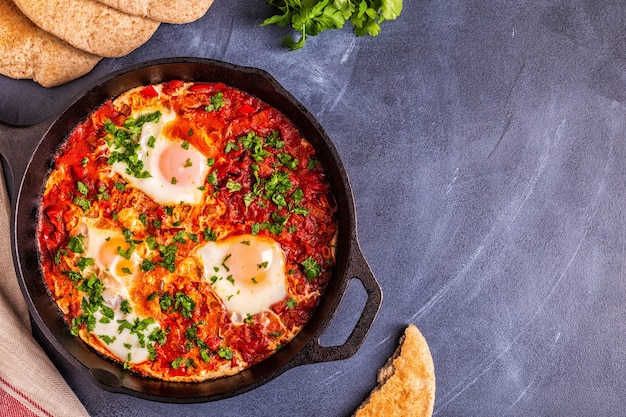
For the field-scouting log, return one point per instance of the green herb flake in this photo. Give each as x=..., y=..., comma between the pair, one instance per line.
x=209, y=234
x=147, y=265
x=225, y=353
x=125, y=307
x=82, y=203
x=232, y=186
x=311, y=268
x=82, y=188
x=217, y=102
x=291, y=303
x=84, y=263
x=76, y=243
x=58, y=254
x=107, y=339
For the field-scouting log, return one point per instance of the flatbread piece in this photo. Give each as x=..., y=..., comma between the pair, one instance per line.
x=175, y=11
x=28, y=52
x=406, y=383
x=90, y=25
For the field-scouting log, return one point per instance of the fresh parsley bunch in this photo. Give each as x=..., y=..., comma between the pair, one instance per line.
x=311, y=17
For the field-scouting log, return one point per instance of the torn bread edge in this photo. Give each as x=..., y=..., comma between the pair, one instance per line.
x=406, y=383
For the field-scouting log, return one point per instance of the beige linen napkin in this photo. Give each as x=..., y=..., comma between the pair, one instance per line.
x=30, y=385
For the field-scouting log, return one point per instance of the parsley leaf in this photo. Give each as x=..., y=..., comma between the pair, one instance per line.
x=217, y=102
x=311, y=268
x=310, y=18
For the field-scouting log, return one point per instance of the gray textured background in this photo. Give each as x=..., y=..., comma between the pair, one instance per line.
x=485, y=142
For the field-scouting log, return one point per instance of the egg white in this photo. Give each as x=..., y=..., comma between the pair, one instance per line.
x=124, y=345
x=246, y=272
x=153, y=143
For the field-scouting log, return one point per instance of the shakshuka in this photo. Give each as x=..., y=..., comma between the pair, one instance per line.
x=186, y=230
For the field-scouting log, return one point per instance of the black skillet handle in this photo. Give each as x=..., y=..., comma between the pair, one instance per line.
x=358, y=268
x=17, y=144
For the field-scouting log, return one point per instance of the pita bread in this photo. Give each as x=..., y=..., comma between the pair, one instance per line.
x=27, y=52
x=176, y=11
x=406, y=383
x=90, y=25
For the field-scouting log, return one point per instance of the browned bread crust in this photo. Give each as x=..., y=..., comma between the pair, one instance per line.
x=90, y=25
x=177, y=11
x=27, y=52
x=406, y=383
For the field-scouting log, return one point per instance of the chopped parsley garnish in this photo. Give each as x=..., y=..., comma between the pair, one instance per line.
x=126, y=253
x=103, y=193
x=233, y=186
x=125, y=307
x=209, y=234
x=182, y=362
x=147, y=265
x=179, y=302
x=82, y=203
x=230, y=146
x=58, y=254
x=225, y=353
x=288, y=160
x=254, y=144
x=180, y=237
x=123, y=142
x=82, y=188
x=76, y=243
x=137, y=327
x=107, y=339
x=275, y=225
x=169, y=257
x=311, y=268
x=274, y=141
x=205, y=356
x=83, y=263
x=224, y=262
x=217, y=102
x=152, y=243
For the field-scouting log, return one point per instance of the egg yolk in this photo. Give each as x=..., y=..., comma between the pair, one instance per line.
x=248, y=264
x=110, y=256
x=179, y=165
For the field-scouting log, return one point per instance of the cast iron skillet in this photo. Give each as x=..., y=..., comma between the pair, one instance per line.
x=27, y=159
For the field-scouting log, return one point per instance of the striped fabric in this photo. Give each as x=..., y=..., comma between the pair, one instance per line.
x=30, y=385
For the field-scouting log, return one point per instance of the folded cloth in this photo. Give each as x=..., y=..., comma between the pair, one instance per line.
x=30, y=385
